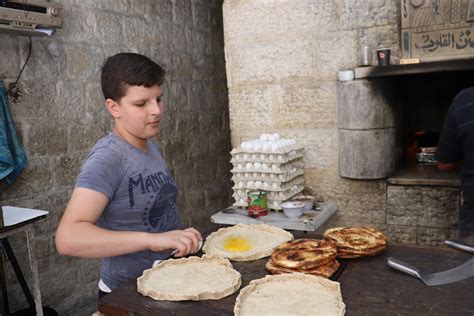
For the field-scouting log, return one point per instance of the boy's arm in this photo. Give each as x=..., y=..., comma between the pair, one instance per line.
x=77, y=235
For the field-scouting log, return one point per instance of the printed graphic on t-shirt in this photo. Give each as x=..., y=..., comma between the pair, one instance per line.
x=160, y=191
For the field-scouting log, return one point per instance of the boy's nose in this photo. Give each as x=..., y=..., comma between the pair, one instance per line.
x=155, y=108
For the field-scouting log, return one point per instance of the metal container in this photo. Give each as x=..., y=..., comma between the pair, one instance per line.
x=257, y=203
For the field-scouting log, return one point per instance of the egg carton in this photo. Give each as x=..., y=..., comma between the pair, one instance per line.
x=267, y=149
x=283, y=157
x=240, y=195
x=267, y=167
x=265, y=176
x=273, y=201
x=268, y=185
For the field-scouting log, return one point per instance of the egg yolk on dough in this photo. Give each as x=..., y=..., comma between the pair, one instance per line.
x=237, y=244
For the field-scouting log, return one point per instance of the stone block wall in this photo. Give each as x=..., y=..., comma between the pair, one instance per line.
x=60, y=115
x=282, y=60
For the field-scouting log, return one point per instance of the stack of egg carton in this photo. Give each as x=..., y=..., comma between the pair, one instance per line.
x=271, y=164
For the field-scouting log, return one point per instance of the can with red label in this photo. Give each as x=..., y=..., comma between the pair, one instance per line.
x=257, y=203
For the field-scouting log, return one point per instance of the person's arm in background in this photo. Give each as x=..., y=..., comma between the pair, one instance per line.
x=449, y=152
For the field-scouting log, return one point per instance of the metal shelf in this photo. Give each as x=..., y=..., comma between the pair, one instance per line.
x=413, y=69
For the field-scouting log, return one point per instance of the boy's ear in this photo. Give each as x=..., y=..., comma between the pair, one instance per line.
x=113, y=107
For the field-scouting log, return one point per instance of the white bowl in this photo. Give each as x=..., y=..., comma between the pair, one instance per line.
x=308, y=201
x=345, y=75
x=292, y=209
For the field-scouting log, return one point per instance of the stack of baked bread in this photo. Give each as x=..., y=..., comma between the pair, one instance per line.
x=353, y=242
x=310, y=256
x=318, y=256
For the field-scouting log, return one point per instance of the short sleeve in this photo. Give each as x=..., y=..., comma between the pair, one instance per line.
x=101, y=171
x=450, y=142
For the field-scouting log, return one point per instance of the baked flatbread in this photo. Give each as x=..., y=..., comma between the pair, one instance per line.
x=358, y=241
x=244, y=242
x=192, y=278
x=325, y=271
x=290, y=294
x=304, y=253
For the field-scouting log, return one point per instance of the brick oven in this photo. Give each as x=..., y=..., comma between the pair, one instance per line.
x=379, y=115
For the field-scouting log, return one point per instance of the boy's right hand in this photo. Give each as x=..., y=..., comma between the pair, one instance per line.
x=185, y=242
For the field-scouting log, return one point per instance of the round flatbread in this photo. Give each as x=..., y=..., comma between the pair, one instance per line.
x=356, y=240
x=244, y=242
x=325, y=271
x=290, y=294
x=192, y=278
x=355, y=254
x=304, y=253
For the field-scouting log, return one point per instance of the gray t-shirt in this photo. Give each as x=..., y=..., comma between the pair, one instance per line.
x=142, y=196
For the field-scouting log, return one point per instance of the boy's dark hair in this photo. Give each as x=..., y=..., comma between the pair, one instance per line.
x=129, y=69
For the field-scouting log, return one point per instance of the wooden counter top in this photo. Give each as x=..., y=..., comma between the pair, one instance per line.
x=369, y=287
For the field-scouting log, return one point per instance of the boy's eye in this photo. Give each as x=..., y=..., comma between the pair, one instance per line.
x=140, y=104
x=158, y=100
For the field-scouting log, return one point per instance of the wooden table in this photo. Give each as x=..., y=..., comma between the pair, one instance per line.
x=369, y=287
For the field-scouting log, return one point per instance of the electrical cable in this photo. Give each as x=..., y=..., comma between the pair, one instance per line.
x=15, y=84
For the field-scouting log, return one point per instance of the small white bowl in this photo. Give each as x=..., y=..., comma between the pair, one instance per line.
x=345, y=75
x=308, y=201
x=293, y=209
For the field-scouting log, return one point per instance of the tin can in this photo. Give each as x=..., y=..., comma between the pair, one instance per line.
x=257, y=203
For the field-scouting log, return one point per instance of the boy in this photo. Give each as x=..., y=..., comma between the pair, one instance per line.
x=123, y=207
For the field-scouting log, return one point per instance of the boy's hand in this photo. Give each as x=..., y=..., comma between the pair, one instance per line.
x=185, y=241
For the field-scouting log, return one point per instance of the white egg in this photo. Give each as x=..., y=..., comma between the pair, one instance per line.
x=257, y=166
x=264, y=166
x=250, y=184
x=241, y=184
x=270, y=157
x=265, y=184
x=274, y=185
x=258, y=184
x=246, y=156
x=275, y=167
x=262, y=157
x=248, y=166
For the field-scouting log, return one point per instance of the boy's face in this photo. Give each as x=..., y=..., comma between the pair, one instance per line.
x=138, y=114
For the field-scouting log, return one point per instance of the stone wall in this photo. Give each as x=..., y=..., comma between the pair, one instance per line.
x=60, y=115
x=282, y=60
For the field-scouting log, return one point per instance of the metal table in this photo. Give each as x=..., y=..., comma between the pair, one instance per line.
x=18, y=220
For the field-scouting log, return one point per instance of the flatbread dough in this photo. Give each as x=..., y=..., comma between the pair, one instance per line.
x=244, y=242
x=193, y=278
x=290, y=294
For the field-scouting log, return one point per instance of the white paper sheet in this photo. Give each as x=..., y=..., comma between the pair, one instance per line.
x=13, y=215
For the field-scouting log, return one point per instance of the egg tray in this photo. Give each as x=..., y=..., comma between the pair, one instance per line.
x=273, y=195
x=281, y=151
x=266, y=157
x=268, y=185
x=264, y=176
x=267, y=167
x=273, y=204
